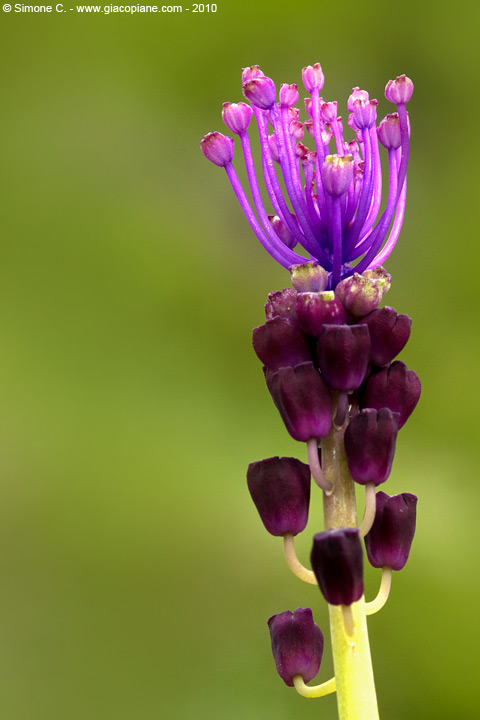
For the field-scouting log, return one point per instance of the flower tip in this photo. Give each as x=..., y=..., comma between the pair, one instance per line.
x=217, y=148
x=260, y=91
x=400, y=90
x=313, y=77
x=251, y=72
x=237, y=116
x=337, y=174
x=288, y=95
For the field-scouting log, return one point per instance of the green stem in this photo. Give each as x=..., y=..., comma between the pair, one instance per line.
x=355, y=684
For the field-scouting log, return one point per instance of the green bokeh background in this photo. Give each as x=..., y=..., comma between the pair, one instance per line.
x=135, y=577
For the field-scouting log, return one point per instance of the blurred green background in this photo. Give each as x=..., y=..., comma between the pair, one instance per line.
x=135, y=577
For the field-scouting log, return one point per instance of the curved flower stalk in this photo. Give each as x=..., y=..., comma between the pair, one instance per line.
x=329, y=357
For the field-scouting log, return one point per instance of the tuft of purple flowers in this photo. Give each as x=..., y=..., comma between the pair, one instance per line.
x=331, y=204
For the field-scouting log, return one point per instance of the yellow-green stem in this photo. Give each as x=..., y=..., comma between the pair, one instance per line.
x=355, y=685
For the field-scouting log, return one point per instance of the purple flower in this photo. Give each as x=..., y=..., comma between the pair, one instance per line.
x=337, y=562
x=297, y=644
x=303, y=401
x=331, y=204
x=395, y=387
x=279, y=343
x=280, y=489
x=389, y=541
x=370, y=445
x=389, y=333
x=343, y=354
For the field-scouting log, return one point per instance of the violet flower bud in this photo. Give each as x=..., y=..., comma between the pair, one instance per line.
x=388, y=131
x=389, y=333
x=316, y=309
x=337, y=174
x=297, y=644
x=309, y=277
x=329, y=111
x=399, y=90
x=337, y=561
x=365, y=113
x=217, y=148
x=237, y=116
x=282, y=303
x=261, y=92
x=249, y=73
x=303, y=400
x=279, y=343
x=280, y=489
x=358, y=294
x=389, y=541
x=343, y=355
x=370, y=445
x=394, y=387
x=357, y=94
x=313, y=77
x=282, y=231
x=288, y=95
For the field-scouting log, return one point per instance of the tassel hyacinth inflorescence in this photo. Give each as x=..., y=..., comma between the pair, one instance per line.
x=329, y=356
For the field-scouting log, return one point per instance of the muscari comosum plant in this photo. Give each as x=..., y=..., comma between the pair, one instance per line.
x=328, y=352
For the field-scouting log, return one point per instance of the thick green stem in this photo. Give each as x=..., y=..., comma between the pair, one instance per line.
x=356, y=695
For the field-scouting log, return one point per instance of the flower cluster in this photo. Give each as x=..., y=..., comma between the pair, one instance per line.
x=335, y=197
x=327, y=347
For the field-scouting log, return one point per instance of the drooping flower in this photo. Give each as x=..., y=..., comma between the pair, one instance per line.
x=389, y=541
x=333, y=195
x=297, y=644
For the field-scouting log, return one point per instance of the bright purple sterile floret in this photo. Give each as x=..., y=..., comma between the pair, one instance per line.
x=399, y=90
x=279, y=343
x=389, y=541
x=313, y=77
x=337, y=174
x=261, y=92
x=388, y=132
x=395, y=387
x=297, y=645
x=326, y=198
x=303, y=400
x=217, y=148
x=337, y=561
x=280, y=489
x=370, y=445
x=237, y=116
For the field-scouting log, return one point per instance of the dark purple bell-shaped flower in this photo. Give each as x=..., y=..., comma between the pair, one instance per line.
x=297, y=644
x=370, y=445
x=389, y=333
x=316, y=309
x=389, y=541
x=282, y=303
x=280, y=343
x=394, y=387
x=337, y=562
x=303, y=400
x=343, y=355
x=280, y=489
